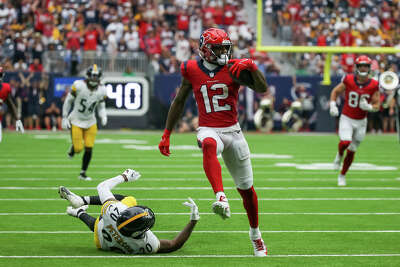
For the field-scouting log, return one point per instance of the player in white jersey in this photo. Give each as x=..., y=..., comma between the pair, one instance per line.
x=86, y=95
x=124, y=226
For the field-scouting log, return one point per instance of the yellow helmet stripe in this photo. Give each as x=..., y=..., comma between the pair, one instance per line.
x=94, y=67
x=132, y=219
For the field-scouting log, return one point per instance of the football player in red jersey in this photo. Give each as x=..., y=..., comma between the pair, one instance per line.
x=215, y=87
x=5, y=97
x=361, y=96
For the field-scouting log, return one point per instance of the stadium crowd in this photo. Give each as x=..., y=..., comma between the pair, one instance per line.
x=167, y=32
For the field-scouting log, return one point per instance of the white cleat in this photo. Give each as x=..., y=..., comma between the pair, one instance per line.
x=83, y=177
x=131, y=175
x=73, y=199
x=341, y=180
x=337, y=162
x=222, y=209
x=260, y=250
x=75, y=212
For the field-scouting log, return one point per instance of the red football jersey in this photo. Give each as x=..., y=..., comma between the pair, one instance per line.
x=5, y=91
x=215, y=92
x=354, y=92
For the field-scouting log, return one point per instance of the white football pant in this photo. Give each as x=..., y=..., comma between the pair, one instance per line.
x=352, y=130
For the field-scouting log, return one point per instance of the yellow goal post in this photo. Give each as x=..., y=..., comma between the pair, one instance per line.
x=328, y=50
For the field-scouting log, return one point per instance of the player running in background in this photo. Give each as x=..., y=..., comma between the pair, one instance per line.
x=5, y=97
x=361, y=96
x=86, y=95
x=124, y=226
x=216, y=94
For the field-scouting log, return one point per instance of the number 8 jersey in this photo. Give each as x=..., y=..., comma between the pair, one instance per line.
x=85, y=103
x=107, y=236
x=215, y=92
x=354, y=93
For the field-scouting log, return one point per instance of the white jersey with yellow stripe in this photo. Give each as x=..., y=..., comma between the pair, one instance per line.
x=85, y=103
x=107, y=236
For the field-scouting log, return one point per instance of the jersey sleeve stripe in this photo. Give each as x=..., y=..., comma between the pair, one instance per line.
x=140, y=215
x=105, y=206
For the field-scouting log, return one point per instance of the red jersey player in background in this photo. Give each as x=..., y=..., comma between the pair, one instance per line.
x=5, y=97
x=216, y=94
x=361, y=96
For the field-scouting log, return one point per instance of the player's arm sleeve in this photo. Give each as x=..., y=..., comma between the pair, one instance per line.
x=69, y=100
x=104, y=188
x=101, y=109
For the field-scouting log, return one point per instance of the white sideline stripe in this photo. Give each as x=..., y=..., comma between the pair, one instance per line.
x=193, y=256
x=150, y=179
x=211, y=213
x=212, y=199
x=210, y=232
x=151, y=170
x=204, y=188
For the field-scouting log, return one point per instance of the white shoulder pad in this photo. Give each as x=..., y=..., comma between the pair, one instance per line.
x=78, y=86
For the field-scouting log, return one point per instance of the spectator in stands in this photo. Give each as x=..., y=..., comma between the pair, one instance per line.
x=36, y=66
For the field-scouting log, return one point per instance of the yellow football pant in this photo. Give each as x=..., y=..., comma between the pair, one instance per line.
x=83, y=137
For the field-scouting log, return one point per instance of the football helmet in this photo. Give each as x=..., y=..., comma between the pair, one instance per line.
x=1, y=74
x=93, y=75
x=215, y=46
x=135, y=221
x=363, y=60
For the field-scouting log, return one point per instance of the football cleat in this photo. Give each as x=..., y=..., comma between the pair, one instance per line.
x=222, y=209
x=76, y=212
x=341, y=180
x=84, y=177
x=337, y=162
x=260, y=250
x=73, y=199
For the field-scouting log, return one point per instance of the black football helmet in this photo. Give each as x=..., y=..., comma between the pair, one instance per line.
x=135, y=221
x=93, y=75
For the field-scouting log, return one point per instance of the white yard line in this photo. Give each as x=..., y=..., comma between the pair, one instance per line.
x=210, y=213
x=208, y=232
x=213, y=199
x=150, y=179
x=370, y=188
x=191, y=256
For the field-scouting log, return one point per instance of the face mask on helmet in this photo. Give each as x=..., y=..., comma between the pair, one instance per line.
x=93, y=75
x=363, y=73
x=215, y=46
x=135, y=221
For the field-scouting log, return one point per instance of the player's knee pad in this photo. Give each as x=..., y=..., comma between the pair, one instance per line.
x=354, y=145
x=244, y=184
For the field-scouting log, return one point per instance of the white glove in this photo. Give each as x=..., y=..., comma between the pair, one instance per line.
x=194, y=216
x=65, y=123
x=19, y=126
x=333, y=110
x=103, y=121
x=364, y=105
x=131, y=175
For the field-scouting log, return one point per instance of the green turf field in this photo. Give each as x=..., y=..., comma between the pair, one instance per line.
x=305, y=218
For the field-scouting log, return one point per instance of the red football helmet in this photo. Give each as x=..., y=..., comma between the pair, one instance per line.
x=215, y=46
x=360, y=61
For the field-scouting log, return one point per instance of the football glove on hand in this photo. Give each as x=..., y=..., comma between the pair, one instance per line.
x=19, y=126
x=333, y=110
x=194, y=216
x=103, y=121
x=241, y=64
x=163, y=146
x=364, y=105
x=65, y=123
x=131, y=175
